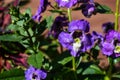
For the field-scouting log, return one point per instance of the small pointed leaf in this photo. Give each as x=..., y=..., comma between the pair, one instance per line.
x=93, y=69
x=65, y=60
x=10, y=37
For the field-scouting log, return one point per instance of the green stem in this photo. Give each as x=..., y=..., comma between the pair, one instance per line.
x=73, y=58
x=109, y=73
x=31, y=41
x=73, y=64
x=117, y=15
x=74, y=67
x=107, y=78
x=69, y=14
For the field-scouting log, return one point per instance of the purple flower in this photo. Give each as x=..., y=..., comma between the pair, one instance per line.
x=33, y=73
x=111, y=44
x=76, y=42
x=88, y=9
x=66, y=3
x=110, y=49
x=58, y=26
x=41, y=8
x=82, y=25
x=107, y=27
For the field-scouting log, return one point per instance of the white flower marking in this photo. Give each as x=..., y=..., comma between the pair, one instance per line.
x=117, y=49
x=76, y=45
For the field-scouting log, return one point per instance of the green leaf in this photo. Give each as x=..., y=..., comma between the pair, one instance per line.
x=103, y=9
x=36, y=60
x=116, y=60
x=14, y=18
x=93, y=69
x=65, y=60
x=95, y=52
x=49, y=21
x=20, y=23
x=12, y=27
x=17, y=28
x=28, y=11
x=79, y=70
x=14, y=74
x=10, y=37
x=116, y=76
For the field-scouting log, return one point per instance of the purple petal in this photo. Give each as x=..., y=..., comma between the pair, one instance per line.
x=111, y=35
x=66, y=3
x=65, y=39
x=87, y=43
x=88, y=9
x=43, y=75
x=82, y=25
x=107, y=27
x=107, y=48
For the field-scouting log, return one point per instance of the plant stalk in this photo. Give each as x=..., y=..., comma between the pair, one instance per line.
x=73, y=64
x=117, y=15
x=73, y=58
x=69, y=14
x=109, y=73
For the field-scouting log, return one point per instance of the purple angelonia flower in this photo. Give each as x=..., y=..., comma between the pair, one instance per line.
x=66, y=3
x=82, y=25
x=76, y=39
x=110, y=49
x=111, y=44
x=58, y=26
x=76, y=42
x=88, y=9
x=34, y=74
x=41, y=8
x=107, y=27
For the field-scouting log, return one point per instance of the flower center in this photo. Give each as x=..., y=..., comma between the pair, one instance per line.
x=76, y=44
x=34, y=76
x=117, y=49
x=65, y=0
